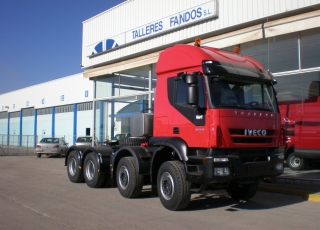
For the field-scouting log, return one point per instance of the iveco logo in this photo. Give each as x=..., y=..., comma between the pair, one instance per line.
x=255, y=132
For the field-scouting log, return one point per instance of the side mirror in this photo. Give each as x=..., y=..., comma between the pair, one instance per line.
x=191, y=79
x=193, y=90
x=193, y=95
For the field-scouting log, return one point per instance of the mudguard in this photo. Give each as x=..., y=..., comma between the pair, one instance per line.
x=79, y=150
x=176, y=143
x=140, y=154
x=103, y=154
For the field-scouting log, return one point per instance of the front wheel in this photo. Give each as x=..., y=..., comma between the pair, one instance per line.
x=75, y=173
x=129, y=182
x=295, y=163
x=242, y=191
x=92, y=177
x=173, y=188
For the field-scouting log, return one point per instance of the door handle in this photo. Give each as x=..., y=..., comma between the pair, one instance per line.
x=176, y=130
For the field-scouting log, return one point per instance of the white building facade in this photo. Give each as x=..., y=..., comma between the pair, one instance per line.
x=121, y=47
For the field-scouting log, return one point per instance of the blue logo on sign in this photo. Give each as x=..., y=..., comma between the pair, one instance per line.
x=42, y=101
x=86, y=93
x=27, y=103
x=104, y=45
x=62, y=98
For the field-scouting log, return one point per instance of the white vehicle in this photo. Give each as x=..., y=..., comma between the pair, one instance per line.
x=51, y=146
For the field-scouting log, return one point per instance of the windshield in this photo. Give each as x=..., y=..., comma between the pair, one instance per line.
x=227, y=92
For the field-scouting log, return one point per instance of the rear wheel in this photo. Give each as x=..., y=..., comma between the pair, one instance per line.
x=75, y=174
x=242, y=191
x=60, y=154
x=173, y=188
x=38, y=155
x=295, y=163
x=92, y=177
x=129, y=182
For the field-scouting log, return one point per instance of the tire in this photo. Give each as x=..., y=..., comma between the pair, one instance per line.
x=60, y=154
x=75, y=174
x=132, y=141
x=173, y=188
x=295, y=163
x=129, y=182
x=92, y=177
x=242, y=191
x=38, y=155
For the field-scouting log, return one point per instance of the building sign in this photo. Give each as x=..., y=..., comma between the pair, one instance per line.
x=173, y=22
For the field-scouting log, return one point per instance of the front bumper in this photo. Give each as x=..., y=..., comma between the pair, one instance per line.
x=235, y=169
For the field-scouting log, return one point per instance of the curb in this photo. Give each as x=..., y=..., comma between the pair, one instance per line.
x=308, y=195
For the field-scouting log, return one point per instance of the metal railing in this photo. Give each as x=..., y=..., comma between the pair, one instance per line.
x=17, y=144
x=11, y=145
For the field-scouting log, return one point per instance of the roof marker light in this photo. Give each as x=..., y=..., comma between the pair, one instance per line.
x=236, y=49
x=197, y=42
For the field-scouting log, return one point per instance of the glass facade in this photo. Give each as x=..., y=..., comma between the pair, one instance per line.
x=294, y=59
x=120, y=95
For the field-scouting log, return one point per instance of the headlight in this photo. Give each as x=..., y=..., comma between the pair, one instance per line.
x=279, y=167
x=220, y=159
x=221, y=171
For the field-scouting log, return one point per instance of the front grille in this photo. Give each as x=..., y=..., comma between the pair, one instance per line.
x=240, y=136
x=251, y=140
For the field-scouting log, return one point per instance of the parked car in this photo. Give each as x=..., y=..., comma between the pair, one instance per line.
x=117, y=137
x=86, y=140
x=51, y=146
x=121, y=135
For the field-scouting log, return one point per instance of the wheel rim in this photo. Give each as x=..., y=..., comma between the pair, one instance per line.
x=295, y=161
x=166, y=186
x=123, y=177
x=90, y=170
x=72, y=167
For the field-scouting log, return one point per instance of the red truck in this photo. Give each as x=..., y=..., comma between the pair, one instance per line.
x=301, y=121
x=215, y=125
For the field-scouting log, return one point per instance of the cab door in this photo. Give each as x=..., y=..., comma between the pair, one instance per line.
x=189, y=121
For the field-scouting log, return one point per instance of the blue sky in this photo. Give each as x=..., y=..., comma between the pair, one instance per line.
x=40, y=40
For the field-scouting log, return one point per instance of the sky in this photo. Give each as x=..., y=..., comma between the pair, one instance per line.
x=41, y=40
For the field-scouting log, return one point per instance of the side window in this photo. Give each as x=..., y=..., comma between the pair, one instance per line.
x=182, y=88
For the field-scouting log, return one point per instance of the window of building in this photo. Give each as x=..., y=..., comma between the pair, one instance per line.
x=277, y=54
x=126, y=82
x=112, y=117
x=310, y=47
x=303, y=87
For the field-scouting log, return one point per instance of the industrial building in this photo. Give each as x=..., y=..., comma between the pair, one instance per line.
x=121, y=47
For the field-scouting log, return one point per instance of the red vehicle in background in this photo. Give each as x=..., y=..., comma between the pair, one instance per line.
x=299, y=104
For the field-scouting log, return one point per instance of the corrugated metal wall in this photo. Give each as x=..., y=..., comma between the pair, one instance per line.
x=135, y=13
x=63, y=91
